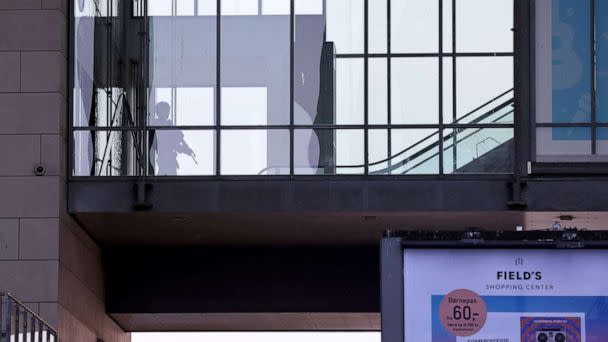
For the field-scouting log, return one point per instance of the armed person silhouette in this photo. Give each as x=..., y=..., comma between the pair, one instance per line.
x=168, y=143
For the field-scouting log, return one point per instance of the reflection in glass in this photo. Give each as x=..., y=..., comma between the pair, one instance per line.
x=601, y=27
x=185, y=7
x=329, y=85
x=377, y=22
x=314, y=152
x=207, y=7
x=480, y=80
x=350, y=151
x=478, y=150
x=602, y=141
x=499, y=110
x=239, y=7
x=105, y=153
x=414, y=26
x=254, y=152
x=447, y=25
x=350, y=91
x=183, y=107
x=103, y=81
x=259, y=59
x=448, y=90
x=161, y=8
x=345, y=23
x=308, y=7
x=415, y=151
x=556, y=141
x=276, y=7
x=579, y=42
x=107, y=8
x=182, y=152
x=158, y=8
x=414, y=91
x=484, y=26
x=109, y=108
x=378, y=152
x=182, y=71
x=328, y=152
x=412, y=151
x=571, y=61
x=314, y=76
x=377, y=91
x=244, y=106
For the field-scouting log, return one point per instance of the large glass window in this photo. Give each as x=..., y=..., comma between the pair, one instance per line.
x=419, y=89
x=292, y=87
x=571, y=112
x=104, y=101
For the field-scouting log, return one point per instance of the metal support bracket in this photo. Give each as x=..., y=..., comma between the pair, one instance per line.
x=516, y=201
x=141, y=190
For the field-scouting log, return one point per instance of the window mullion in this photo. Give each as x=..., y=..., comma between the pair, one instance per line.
x=593, y=80
x=440, y=128
x=365, y=86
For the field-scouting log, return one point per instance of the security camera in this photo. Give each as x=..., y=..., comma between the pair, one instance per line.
x=40, y=170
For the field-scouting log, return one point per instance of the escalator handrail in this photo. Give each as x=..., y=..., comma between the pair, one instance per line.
x=484, y=105
x=477, y=120
x=426, y=149
x=448, y=137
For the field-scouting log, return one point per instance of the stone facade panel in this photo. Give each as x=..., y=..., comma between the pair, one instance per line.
x=9, y=239
x=43, y=71
x=29, y=197
x=19, y=154
x=31, y=113
x=32, y=30
x=10, y=80
x=30, y=281
x=39, y=239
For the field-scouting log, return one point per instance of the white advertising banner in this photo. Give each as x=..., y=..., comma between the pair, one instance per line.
x=505, y=295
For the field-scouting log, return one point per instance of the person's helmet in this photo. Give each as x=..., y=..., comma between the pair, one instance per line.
x=163, y=110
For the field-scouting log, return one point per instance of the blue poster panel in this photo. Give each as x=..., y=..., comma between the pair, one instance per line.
x=601, y=27
x=571, y=62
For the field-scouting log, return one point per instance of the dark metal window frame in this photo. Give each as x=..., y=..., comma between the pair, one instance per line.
x=218, y=128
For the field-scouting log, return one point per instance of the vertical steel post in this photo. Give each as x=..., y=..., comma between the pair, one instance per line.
x=33, y=329
x=17, y=323
x=391, y=290
x=9, y=319
x=40, y=328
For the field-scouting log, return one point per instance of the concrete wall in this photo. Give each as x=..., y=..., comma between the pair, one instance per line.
x=46, y=259
x=81, y=307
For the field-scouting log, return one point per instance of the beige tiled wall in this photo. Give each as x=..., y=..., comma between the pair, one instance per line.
x=46, y=259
